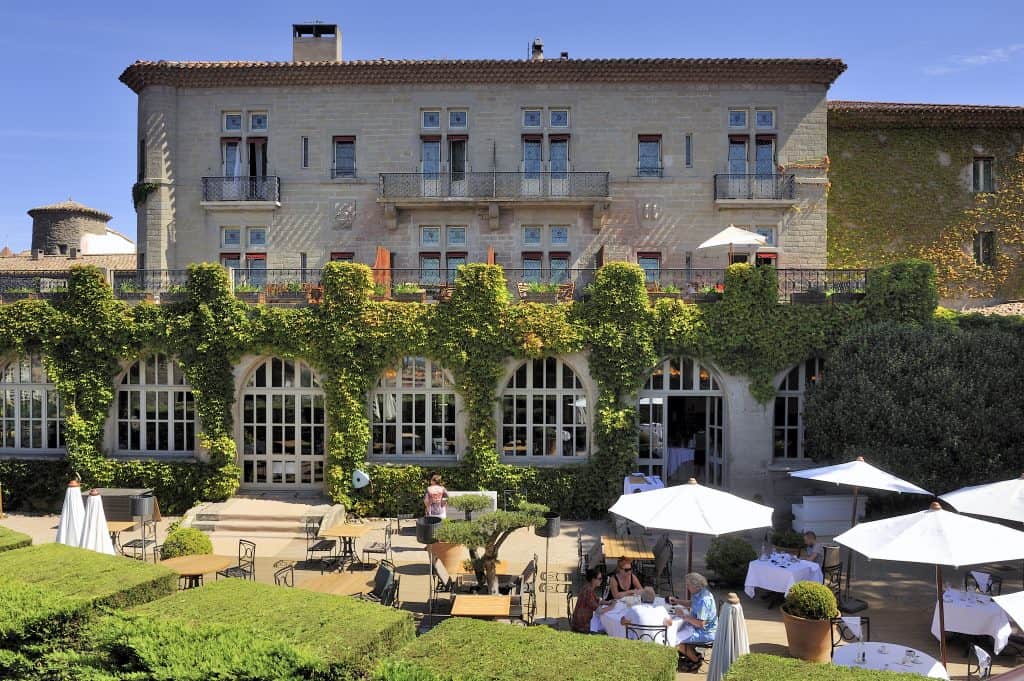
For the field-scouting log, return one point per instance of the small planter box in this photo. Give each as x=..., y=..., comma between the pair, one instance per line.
x=808, y=298
x=845, y=298
x=411, y=297
x=379, y=298
x=136, y=297
x=707, y=297
x=548, y=297
x=173, y=298
x=655, y=296
x=14, y=296
x=253, y=297
x=288, y=298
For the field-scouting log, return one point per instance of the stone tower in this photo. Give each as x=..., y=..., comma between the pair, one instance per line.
x=59, y=227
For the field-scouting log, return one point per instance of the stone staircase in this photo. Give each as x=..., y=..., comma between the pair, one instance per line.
x=261, y=516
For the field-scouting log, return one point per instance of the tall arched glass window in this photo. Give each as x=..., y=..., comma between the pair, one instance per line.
x=283, y=425
x=155, y=408
x=413, y=411
x=31, y=414
x=788, y=432
x=544, y=411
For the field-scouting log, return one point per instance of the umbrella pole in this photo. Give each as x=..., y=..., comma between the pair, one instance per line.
x=942, y=613
x=689, y=552
x=849, y=552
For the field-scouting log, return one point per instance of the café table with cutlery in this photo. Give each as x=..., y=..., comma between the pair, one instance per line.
x=779, y=571
x=891, y=657
x=610, y=620
x=974, y=614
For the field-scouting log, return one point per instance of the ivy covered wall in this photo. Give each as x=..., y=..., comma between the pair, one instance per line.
x=351, y=339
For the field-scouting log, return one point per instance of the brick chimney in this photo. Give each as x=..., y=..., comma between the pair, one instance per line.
x=316, y=42
x=537, y=50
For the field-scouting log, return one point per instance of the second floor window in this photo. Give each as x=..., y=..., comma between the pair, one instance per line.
x=982, y=176
x=984, y=248
x=344, y=157
x=649, y=156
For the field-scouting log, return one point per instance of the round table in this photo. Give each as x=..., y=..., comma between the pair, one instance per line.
x=194, y=567
x=892, y=659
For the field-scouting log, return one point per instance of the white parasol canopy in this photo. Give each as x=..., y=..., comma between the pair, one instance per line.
x=731, y=640
x=95, y=535
x=935, y=537
x=72, y=516
x=733, y=236
x=859, y=473
x=1013, y=604
x=694, y=509
x=1003, y=499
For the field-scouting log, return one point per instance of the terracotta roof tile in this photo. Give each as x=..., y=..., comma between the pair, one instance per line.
x=482, y=71
x=53, y=263
x=852, y=115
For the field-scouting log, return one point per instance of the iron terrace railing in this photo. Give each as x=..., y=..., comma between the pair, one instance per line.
x=494, y=185
x=148, y=281
x=759, y=186
x=242, y=188
x=33, y=281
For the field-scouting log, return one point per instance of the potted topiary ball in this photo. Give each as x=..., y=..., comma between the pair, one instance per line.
x=186, y=541
x=807, y=615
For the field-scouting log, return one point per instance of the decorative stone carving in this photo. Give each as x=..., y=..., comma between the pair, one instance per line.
x=345, y=213
x=494, y=216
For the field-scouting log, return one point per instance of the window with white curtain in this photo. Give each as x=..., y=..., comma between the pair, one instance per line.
x=31, y=413
x=155, y=408
x=788, y=432
x=413, y=411
x=544, y=411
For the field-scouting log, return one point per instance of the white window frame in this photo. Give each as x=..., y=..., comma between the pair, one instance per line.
x=423, y=119
x=464, y=126
x=249, y=231
x=155, y=378
x=551, y=120
x=551, y=235
x=24, y=381
x=430, y=244
x=758, y=125
x=540, y=235
x=224, y=121
x=793, y=390
x=520, y=388
x=252, y=127
x=401, y=386
x=746, y=118
x=223, y=237
x=768, y=232
x=454, y=229
x=979, y=175
x=540, y=118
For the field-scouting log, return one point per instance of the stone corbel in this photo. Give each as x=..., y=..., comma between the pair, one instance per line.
x=600, y=218
x=390, y=216
x=494, y=216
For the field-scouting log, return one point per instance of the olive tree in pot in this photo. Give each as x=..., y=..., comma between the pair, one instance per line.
x=807, y=615
x=484, y=536
x=470, y=503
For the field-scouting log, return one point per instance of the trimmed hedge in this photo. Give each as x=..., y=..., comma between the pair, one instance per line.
x=267, y=632
x=757, y=667
x=186, y=541
x=9, y=540
x=470, y=650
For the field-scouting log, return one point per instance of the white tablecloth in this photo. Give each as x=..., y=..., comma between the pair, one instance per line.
x=611, y=622
x=768, y=575
x=973, y=613
x=676, y=457
x=890, y=660
x=631, y=484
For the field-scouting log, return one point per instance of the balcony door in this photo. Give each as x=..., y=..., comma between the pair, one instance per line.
x=532, y=166
x=457, y=165
x=559, y=154
x=764, y=167
x=231, y=169
x=737, y=167
x=430, y=166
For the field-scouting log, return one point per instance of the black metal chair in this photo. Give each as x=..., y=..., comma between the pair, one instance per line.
x=380, y=548
x=979, y=663
x=663, y=560
x=316, y=546
x=285, y=576
x=994, y=587
x=523, y=607
x=842, y=633
x=655, y=633
x=833, y=578
x=136, y=548
x=246, y=568
x=570, y=605
x=383, y=584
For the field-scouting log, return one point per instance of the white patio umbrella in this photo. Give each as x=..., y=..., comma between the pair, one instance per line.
x=693, y=509
x=935, y=537
x=72, y=516
x=1013, y=604
x=733, y=236
x=1003, y=499
x=95, y=535
x=858, y=473
x=731, y=640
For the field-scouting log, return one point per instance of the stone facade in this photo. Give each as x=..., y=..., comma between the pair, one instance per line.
x=58, y=228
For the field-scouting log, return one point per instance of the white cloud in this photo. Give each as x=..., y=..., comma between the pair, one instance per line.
x=961, y=63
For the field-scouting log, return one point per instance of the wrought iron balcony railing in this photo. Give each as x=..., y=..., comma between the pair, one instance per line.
x=755, y=187
x=242, y=188
x=494, y=185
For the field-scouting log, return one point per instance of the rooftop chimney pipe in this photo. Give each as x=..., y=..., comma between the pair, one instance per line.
x=537, y=50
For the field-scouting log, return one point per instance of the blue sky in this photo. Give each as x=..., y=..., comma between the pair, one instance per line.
x=67, y=126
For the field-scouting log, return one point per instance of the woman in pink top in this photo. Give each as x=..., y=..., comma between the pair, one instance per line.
x=436, y=498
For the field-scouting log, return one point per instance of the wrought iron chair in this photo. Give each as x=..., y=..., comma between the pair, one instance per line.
x=842, y=633
x=380, y=548
x=136, y=548
x=285, y=576
x=833, y=578
x=994, y=587
x=979, y=663
x=315, y=545
x=655, y=633
x=570, y=605
x=383, y=584
x=523, y=607
x=246, y=568
x=663, y=560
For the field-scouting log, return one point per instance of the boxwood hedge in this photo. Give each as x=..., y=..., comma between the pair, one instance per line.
x=9, y=539
x=470, y=650
x=756, y=667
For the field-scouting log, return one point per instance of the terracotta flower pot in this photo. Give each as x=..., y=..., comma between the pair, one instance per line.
x=451, y=555
x=809, y=640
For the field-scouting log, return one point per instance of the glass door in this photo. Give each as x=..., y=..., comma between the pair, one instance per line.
x=430, y=167
x=559, y=149
x=531, y=167
x=457, y=166
x=715, y=474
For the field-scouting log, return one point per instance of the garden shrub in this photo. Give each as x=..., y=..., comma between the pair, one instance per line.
x=9, y=540
x=729, y=557
x=470, y=650
x=760, y=667
x=186, y=541
x=787, y=539
x=903, y=292
x=811, y=600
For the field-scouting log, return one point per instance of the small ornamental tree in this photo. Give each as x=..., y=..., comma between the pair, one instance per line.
x=470, y=503
x=487, y=533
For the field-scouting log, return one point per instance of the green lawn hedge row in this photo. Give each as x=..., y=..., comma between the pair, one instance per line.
x=756, y=667
x=9, y=540
x=470, y=650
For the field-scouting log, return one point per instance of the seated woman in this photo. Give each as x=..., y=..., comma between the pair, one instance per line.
x=703, y=617
x=623, y=582
x=587, y=602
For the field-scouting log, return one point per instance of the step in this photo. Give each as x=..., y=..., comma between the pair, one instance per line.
x=298, y=518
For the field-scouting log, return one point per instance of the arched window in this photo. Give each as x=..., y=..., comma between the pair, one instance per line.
x=544, y=411
x=155, y=408
x=788, y=433
x=283, y=425
x=31, y=414
x=413, y=411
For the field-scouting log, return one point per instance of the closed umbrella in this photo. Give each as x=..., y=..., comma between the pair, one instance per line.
x=72, y=516
x=694, y=509
x=733, y=236
x=935, y=537
x=856, y=474
x=95, y=535
x=731, y=639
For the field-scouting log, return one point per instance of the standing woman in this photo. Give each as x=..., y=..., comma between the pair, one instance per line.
x=436, y=499
x=623, y=582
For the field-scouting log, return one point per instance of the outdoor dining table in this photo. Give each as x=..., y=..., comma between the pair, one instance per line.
x=339, y=583
x=348, y=533
x=194, y=567
x=975, y=614
x=641, y=483
x=633, y=547
x=484, y=607
x=889, y=657
x=610, y=621
x=779, y=573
